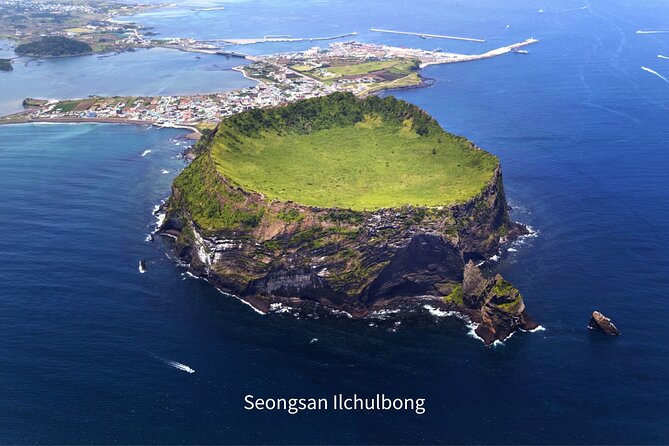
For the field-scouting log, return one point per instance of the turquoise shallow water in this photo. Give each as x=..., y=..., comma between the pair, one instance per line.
x=581, y=132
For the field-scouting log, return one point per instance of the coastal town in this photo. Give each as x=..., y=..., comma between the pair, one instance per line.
x=355, y=67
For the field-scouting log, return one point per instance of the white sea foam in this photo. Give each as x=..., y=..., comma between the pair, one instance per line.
x=142, y=268
x=160, y=218
x=313, y=340
x=534, y=330
x=278, y=307
x=383, y=314
x=532, y=233
x=165, y=172
x=512, y=250
x=243, y=301
x=342, y=312
x=472, y=326
x=436, y=312
x=651, y=71
x=146, y=152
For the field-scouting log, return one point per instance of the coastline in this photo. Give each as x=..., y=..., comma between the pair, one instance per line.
x=240, y=69
x=195, y=133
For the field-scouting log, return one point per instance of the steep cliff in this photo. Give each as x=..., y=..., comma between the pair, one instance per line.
x=268, y=250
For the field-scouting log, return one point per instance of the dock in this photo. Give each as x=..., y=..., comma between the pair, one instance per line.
x=424, y=35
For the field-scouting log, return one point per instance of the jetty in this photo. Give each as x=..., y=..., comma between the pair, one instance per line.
x=443, y=58
x=425, y=35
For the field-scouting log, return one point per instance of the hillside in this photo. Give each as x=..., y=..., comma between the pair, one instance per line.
x=347, y=204
x=53, y=46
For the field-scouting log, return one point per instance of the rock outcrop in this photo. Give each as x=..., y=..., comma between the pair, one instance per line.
x=600, y=322
x=502, y=311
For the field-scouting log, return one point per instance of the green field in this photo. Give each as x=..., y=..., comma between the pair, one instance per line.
x=376, y=161
x=394, y=68
x=402, y=66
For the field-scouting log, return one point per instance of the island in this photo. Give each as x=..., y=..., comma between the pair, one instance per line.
x=53, y=46
x=357, y=206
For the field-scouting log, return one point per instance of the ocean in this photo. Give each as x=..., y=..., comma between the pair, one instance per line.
x=93, y=351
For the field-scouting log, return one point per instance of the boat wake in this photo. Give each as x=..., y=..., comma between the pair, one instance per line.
x=651, y=71
x=175, y=364
x=652, y=32
x=180, y=366
x=660, y=56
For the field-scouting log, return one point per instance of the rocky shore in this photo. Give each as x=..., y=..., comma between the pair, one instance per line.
x=278, y=254
x=364, y=262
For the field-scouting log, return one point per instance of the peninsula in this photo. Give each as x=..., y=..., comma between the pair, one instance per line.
x=53, y=46
x=346, y=204
x=359, y=68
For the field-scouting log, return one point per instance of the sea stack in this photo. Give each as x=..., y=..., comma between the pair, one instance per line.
x=600, y=322
x=345, y=204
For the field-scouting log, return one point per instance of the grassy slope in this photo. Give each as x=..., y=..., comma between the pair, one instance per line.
x=373, y=164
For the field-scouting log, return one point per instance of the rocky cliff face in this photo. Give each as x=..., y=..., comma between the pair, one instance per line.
x=356, y=261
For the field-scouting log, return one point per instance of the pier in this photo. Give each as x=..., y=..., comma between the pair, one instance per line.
x=424, y=35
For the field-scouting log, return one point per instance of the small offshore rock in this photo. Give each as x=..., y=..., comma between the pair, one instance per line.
x=599, y=321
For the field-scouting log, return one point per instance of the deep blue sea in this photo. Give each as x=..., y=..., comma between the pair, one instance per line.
x=582, y=133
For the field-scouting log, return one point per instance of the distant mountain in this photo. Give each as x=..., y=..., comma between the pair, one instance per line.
x=52, y=46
